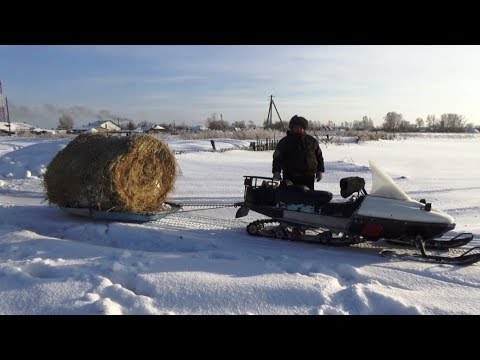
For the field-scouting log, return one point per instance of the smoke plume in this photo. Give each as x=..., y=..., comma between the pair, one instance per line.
x=47, y=115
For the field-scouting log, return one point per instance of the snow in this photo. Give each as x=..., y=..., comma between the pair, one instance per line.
x=203, y=262
x=15, y=126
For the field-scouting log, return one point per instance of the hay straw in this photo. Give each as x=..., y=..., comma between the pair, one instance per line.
x=107, y=173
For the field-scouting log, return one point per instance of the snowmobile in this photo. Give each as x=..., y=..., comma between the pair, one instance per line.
x=385, y=213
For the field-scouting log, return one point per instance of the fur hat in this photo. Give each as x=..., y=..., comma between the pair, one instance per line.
x=298, y=120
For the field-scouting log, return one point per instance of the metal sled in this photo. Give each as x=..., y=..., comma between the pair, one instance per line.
x=122, y=216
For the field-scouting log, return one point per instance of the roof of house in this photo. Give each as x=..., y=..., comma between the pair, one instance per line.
x=38, y=130
x=94, y=125
x=15, y=126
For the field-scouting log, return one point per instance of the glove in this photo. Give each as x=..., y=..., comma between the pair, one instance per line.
x=318, y=176
x=276, y=176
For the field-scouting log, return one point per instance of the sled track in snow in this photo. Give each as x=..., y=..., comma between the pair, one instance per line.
x=435, y=191
x=198, y=222
x=222, y=219
x=463, y=210
x=215, y=219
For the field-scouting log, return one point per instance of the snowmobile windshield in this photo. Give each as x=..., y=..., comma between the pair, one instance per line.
x=384, y=186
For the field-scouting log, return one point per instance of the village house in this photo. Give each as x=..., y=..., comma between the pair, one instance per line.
x=98, y=126
x=156, y=129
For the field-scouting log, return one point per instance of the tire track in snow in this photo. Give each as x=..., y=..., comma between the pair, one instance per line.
x=438, y=191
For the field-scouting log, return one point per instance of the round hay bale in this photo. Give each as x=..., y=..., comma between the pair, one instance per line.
x=107, y=173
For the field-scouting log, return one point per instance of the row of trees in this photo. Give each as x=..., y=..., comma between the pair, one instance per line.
x=393, y=122
x=365, y=124
x=214, y=122
x=446, y=123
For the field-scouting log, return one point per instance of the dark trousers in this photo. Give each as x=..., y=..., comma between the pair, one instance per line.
x=307, y=180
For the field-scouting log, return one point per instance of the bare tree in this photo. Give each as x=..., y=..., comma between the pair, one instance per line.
x=392, y=121
x=127, y=125
x=146, y=125
x=314, y=125
x=357, y=125
x=214, y=123
x=452, y=122
x=65, y=122
x=365, y=124
x=346, y=125
x=431, y=121
x=239, y=124
x=277, y=126
x=251, y=124
x=131, y=125
x=420, y=123
x=182, y=127
x=404, y=126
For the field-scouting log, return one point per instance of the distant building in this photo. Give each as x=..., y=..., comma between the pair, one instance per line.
x=39, y=131
x=199, y=128
x=15, y=127
x=138, y=130
x=471, y=130
x=98, y=126
x=156, y=129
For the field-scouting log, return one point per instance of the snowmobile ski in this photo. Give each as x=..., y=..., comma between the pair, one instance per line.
x=469, y=257
x=437, y=244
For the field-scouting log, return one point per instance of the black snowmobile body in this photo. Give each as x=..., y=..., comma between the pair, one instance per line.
x=314, y=208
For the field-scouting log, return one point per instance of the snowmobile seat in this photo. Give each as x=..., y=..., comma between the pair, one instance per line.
x=345, y=209
x=301, y=194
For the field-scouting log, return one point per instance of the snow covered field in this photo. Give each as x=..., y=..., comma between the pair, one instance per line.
x=203, y=262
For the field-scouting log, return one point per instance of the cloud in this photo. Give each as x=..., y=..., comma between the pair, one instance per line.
x=186, y=83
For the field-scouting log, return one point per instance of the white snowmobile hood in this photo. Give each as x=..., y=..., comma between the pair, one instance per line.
x=403, y=210
x=387, y=201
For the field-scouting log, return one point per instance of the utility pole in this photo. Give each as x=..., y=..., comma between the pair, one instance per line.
x=270, y=113
x=8, y=119
x=2, y=109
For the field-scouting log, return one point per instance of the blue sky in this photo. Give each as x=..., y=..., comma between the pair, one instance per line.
x=187, y=83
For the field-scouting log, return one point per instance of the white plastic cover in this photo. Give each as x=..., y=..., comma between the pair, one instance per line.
x=384, y=186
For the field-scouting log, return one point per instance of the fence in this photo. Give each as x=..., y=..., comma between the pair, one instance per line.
x=261, y=145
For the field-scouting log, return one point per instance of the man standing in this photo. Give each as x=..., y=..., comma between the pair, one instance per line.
x=298, y=155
